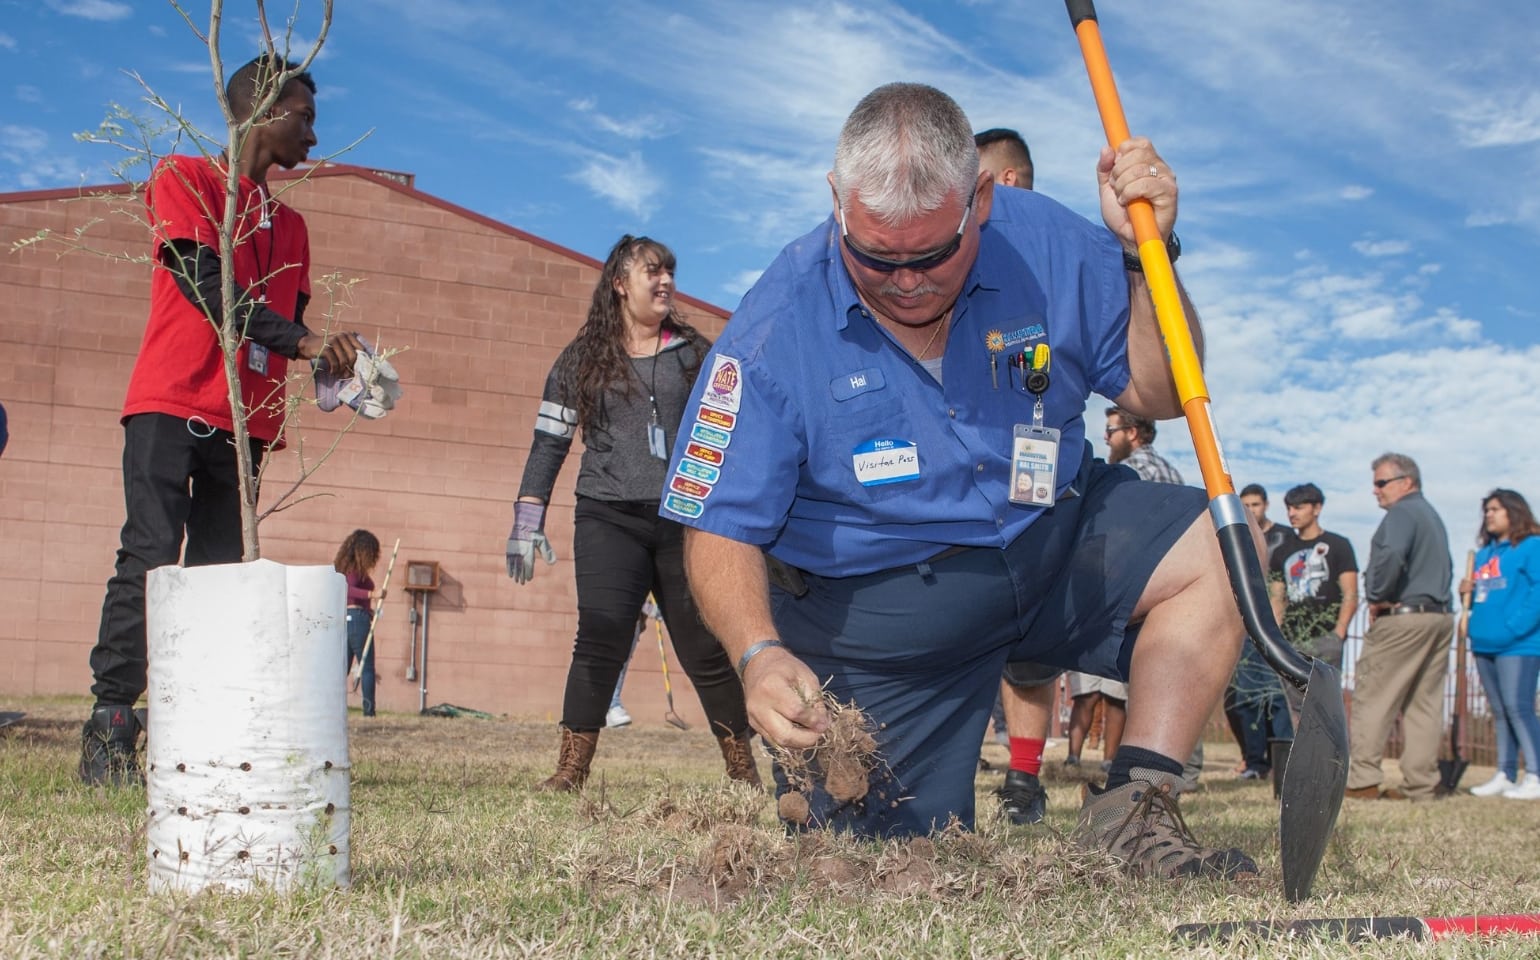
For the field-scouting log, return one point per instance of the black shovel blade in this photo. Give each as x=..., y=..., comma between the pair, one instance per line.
x=1314, y=781
x=1449, y=774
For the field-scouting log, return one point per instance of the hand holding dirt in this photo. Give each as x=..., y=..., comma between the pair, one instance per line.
x=783, y=700
x=842, y=760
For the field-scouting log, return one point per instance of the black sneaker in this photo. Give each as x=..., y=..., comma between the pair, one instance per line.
x=1022, y=798
x=109, y=747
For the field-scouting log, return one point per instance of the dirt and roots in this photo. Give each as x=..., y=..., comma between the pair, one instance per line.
x=841, y=762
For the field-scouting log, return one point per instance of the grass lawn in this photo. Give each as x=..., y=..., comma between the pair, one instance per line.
x=453, y=857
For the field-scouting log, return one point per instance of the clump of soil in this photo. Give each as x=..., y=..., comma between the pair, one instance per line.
x=841, y=762
x=792, y=807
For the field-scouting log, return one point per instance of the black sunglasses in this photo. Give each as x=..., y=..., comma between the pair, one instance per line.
x=1381, y=484
x=925, y=261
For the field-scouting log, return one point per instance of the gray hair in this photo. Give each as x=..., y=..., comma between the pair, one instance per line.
x=1404, y=465
x=905, y=149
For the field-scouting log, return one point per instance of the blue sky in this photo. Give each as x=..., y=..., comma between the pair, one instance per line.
x=1361, y=182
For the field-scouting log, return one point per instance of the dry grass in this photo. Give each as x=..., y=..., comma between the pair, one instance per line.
x=454, y=857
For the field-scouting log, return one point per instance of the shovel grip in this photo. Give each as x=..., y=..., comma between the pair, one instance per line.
x=1080, y=10
x=1350, y=929
x=1250, y=589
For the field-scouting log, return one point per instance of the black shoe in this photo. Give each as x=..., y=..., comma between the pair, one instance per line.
x=1023, y=798
x=109, y=747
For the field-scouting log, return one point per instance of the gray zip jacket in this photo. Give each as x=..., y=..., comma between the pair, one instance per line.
x=617, y=464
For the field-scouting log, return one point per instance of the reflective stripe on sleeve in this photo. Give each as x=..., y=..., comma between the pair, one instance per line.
x=557, y=420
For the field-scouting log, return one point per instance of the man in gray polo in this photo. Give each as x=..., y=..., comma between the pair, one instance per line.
x=1405, y=656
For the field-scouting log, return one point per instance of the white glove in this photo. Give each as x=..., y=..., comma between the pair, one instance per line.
x=372, y=390
x=526, y=539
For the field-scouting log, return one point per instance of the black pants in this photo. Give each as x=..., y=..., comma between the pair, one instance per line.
x=173, y=481
x=621, y=551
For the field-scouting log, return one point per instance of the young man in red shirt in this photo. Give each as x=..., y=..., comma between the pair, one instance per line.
x=179, y=464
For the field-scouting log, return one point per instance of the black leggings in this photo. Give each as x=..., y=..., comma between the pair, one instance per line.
x=621, y=551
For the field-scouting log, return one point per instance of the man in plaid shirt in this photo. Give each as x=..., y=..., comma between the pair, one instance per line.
x=1130, y=441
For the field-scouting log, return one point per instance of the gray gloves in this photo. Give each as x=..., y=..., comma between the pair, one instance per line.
x=527, y=538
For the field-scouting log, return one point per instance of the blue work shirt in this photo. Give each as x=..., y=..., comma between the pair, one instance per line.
x=804, y=388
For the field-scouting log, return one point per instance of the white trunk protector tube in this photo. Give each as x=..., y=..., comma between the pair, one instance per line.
x=247, y=771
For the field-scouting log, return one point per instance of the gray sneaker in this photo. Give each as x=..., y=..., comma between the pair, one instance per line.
x=1139, y=824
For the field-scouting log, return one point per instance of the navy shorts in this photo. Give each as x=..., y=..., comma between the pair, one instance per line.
x=1026, y=675
x=921, y=648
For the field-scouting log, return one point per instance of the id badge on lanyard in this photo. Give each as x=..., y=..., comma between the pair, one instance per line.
x=256, y=358
x=1034, y=447
x=1034, y=465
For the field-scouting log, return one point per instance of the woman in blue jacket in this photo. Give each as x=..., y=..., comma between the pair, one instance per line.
x=1504, y=598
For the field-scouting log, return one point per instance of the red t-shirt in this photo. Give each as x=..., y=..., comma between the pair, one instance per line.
x=180, y=371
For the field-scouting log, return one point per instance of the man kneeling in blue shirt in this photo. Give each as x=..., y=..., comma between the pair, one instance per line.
x=895, y=417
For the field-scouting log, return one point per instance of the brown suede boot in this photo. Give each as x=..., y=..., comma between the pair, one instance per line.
x=577, y=752
x=738, y=753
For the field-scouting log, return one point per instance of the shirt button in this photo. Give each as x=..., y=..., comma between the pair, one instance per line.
x=951, y=412
x=981, y=468
x=999, y=522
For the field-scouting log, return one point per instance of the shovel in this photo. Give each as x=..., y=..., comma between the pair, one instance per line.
x=673, y=718
x=1316, y=776
x=357, y=673
x=1450, y=771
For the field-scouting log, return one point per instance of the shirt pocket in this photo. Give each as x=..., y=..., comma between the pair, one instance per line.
x=858, y=421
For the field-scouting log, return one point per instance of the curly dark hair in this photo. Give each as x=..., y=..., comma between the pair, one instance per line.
x=596, y=360
x=358, y=554
x=1521, y=519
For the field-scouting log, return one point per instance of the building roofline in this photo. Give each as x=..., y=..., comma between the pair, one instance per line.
x=382, y=178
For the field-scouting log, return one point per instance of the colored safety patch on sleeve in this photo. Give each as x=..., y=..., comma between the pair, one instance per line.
x=724, y=385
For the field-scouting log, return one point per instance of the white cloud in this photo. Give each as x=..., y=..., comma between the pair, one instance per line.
x=626, y=182
x=1356, y=192
x=1501, y=119
x=16, y=140
x=104, y=10
x=1297, y=401
x=739, y=283
x=7, y=41
x=27, y=93
x=1382, y=248
x=26, y=162
x=645, y=127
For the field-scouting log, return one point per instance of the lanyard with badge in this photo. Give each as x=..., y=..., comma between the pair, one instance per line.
x=657, y=441
x=1034, y=447
x=256, y=354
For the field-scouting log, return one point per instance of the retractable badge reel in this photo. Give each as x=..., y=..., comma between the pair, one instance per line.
x=1035, y=447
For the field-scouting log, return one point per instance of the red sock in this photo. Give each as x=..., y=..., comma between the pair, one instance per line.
x=1027, y=755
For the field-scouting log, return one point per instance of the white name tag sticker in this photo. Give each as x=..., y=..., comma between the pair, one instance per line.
x=885, y=461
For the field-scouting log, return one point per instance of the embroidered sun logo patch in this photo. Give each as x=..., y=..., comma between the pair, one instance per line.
x=994, y=341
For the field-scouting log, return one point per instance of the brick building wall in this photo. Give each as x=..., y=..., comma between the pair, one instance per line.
x=481, y=311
